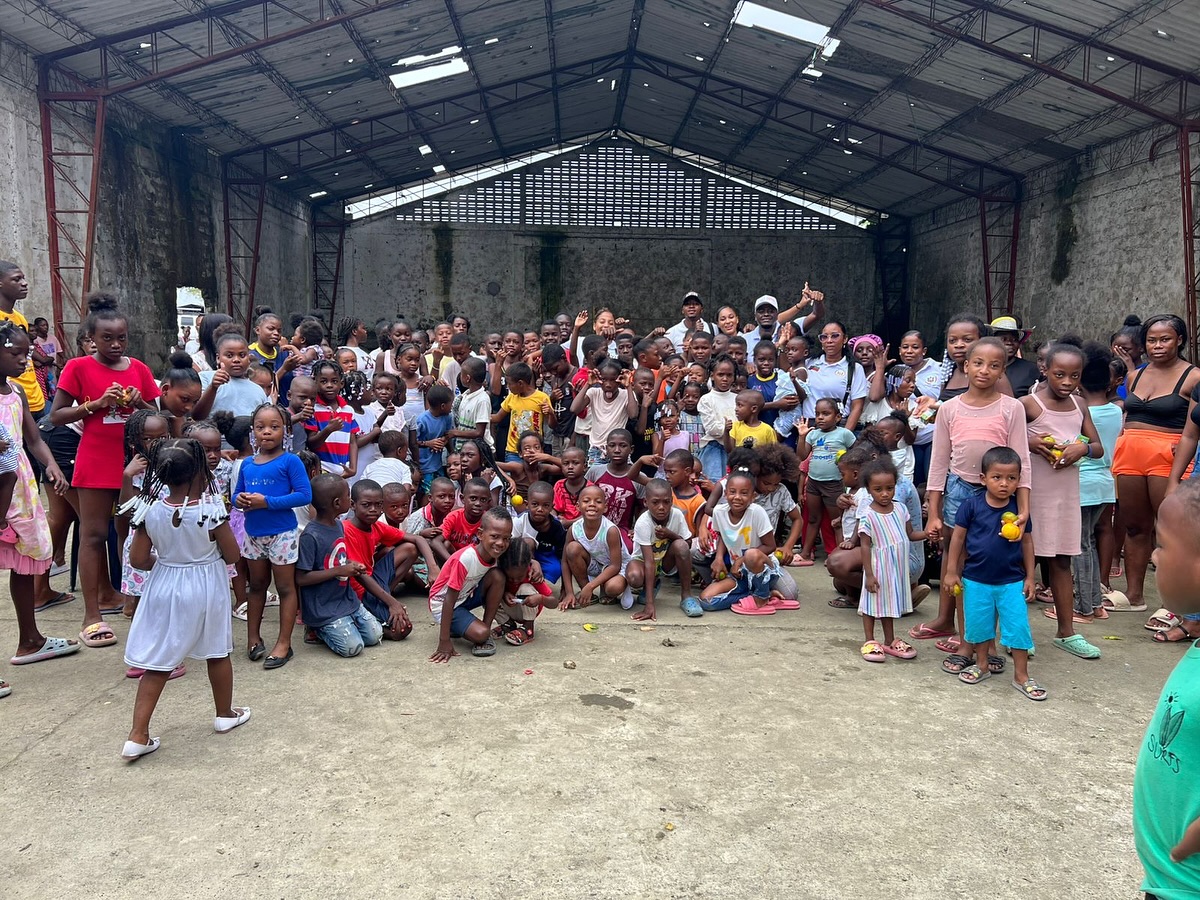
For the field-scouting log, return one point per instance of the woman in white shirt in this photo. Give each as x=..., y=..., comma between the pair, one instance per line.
x=929, y=377
x=835, y=375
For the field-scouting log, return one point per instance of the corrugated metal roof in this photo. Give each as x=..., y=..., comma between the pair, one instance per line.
x=674, y=71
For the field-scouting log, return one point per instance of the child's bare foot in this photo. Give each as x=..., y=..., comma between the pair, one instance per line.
x=130, y=607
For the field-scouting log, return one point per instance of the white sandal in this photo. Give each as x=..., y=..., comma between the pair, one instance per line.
x=1116, y=601
x=1167, y=620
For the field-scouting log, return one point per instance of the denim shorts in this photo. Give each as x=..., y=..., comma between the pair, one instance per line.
x=984, y=603
x=956, y=492
x=462, y=618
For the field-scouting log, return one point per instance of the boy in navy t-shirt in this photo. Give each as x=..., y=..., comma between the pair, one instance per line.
x=429, y=434
x=991, y=564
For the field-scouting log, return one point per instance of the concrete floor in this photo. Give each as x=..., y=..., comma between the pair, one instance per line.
x=755, y=757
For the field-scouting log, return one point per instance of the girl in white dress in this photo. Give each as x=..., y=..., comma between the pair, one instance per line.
x=184, y=541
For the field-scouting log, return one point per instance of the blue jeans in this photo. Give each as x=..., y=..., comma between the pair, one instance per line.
x=748, y=585
x=713, y=460
x=348, y=635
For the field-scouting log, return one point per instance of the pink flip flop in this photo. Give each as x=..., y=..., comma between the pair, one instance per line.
x=747, y=607
x=799, y=562
x=780, y=602
x=899, y=649
x=923, y=632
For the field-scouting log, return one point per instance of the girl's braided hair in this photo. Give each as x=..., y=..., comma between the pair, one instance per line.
x=347, y=325
x=171, y=463
x=135, y=430
x=354, y=385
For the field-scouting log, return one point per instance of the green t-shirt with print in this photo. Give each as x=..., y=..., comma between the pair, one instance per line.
x=1165, y=795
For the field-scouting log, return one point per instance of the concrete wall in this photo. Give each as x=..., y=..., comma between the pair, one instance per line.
x=159, y=224
x=500, y=277
x=1127, y=256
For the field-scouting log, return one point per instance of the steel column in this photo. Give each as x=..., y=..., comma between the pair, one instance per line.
x=329, y=240
x=1187, y=184
x=243, y=200
x=70, y=228
x=999, y=236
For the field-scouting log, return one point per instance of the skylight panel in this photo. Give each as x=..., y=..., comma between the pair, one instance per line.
x=421, y=68
x=753, y=15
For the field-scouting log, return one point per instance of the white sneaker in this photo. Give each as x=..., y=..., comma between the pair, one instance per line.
x=239, y=611
x=272, y=599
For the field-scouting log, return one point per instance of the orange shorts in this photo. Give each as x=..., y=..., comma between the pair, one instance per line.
x=1140, y=451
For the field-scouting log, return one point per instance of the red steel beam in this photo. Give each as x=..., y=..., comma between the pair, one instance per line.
x=1187, y=184
x=244, y=49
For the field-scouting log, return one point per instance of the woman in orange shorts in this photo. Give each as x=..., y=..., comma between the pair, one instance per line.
x=1157, y=403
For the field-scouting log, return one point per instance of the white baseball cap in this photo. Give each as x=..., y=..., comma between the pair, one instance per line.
x=767, y=300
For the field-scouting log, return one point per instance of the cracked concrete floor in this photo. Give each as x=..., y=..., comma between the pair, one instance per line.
x=754, y=757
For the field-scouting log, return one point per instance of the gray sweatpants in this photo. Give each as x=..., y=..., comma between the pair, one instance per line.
x=1086, y=566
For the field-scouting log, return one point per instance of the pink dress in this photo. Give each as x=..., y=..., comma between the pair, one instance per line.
x=31, y=554
x=1054, y=493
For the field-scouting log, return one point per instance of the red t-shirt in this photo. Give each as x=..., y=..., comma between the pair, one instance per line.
x=457, y=531
x=101, y=451
x=360, y=546
x=566, y=504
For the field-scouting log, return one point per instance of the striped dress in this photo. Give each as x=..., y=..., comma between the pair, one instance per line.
x=889, y=561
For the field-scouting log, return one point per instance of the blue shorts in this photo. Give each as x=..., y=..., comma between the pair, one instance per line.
x=956, y=492
x=427, y=480
x=462, y=619
x=984, y=603
x=551, y=566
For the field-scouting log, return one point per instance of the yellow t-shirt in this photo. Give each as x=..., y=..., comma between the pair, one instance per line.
x=760, y=434
x=27, y=380
x=526, y=415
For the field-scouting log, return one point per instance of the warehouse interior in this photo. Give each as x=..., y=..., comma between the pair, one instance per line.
x=369, y=157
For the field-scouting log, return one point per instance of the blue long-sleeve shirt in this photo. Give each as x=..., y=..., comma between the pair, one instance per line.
x=284, y=483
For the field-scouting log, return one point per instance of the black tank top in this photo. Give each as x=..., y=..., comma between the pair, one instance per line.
x=1168, y=411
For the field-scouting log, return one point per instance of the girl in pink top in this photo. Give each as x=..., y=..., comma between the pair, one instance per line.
x=967, y=426
x=1060, y=434
x=102, y=391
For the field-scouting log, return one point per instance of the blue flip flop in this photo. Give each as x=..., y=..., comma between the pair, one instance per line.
x=691, y=607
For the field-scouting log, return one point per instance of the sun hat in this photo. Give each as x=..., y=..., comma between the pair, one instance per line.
x=1009, y=324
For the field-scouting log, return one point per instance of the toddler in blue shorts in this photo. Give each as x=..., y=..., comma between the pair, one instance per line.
x=994, y=573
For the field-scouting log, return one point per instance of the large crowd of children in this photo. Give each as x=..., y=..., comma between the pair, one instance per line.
x=578, y=462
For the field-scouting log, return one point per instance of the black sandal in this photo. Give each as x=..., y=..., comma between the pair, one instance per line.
x=956, y=659
x=257, y=652
x=996, y=664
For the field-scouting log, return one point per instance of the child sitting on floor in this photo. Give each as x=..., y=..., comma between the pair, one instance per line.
x=596, y=556
x=661, y=540
x=325, y=573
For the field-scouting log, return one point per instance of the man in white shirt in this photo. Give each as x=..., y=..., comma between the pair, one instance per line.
x=693, y=313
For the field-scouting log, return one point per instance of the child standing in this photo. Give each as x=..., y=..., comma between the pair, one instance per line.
x=993, y=573
x=748, y=430
x=528, y=408
x=596, y=556
x=472, y=409
x=428, y=436
x=1061, y=433
x=102, y=390
x=824, y=443
x=356, y=391
x=690, y=422
x=228, y=388
x=184, y=542
x=145, y=428
x=33, y=551
x=778, y=392
x=269, y=486
x=668, y=438
x=885, y=532
x=968, y=425
x=608, y=403
x=332, y=432
x=1097, y=488
x=716, y=408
